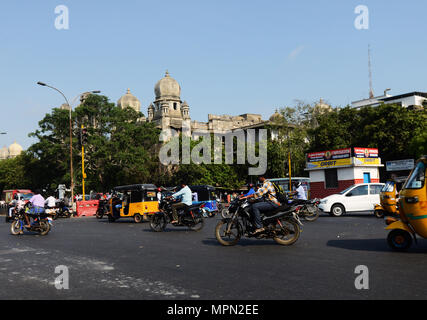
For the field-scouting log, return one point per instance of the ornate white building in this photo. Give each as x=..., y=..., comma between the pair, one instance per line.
x=13, y=151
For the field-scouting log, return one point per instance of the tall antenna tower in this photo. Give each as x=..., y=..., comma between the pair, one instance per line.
x=371, y=90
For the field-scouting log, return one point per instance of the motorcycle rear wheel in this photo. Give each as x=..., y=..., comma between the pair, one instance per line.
x=224, y=238
x=312, y=214
x=199, y=225
x=289, y=232
x=44, y=228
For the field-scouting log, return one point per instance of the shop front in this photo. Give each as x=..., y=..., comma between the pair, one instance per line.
x=333, y=171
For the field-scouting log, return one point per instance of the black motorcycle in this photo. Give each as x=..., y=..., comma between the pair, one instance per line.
x=309, y=209
x=103, y=209
x=60, y=211
x=282, y=224
x=191, y=217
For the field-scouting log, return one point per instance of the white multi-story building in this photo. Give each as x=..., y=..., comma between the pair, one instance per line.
x=407, y=100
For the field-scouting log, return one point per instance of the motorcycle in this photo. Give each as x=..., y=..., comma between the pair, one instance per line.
x=282, y=225
x=61, y=210
x=310, y=209
x=103, y=209
x=191, y=217
x=41, y=223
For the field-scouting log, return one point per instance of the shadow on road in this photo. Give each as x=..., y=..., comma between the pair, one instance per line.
x=242, y=242
x=377, y=245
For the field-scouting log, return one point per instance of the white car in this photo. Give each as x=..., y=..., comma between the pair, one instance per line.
x=358, y=197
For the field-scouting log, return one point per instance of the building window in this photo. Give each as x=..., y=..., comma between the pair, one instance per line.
x=174, y=106
x=331, y=179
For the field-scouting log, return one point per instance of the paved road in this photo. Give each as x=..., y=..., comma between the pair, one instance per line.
x=125, y=260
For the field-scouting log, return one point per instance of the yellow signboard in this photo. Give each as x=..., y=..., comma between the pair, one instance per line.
x=367, y=161
x=329, y=163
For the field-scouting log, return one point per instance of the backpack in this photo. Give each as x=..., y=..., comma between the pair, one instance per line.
x=280, y=194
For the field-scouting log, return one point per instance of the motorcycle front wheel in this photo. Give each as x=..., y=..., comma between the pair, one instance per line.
x=288, y=232
x=225, y=235
x=99, y=214
x=158, y=223
x=15, y=227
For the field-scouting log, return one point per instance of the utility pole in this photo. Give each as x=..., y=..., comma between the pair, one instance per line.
x=83, y=139
x=371, y=90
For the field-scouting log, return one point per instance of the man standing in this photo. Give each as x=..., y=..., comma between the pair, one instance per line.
x=186, y=200
x=268, y=202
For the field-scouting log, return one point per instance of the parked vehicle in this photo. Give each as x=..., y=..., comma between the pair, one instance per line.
x=357, y=198
x=136, y=201
x=283, y=225
x=41, y=223
x=412, y=210
x=191, y=217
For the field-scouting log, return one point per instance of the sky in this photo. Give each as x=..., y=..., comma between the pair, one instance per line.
x=229, y=56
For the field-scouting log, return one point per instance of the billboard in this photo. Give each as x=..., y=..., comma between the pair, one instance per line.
x=329, y=155
x=399, y=165
x=365, y=153
x=329, y=163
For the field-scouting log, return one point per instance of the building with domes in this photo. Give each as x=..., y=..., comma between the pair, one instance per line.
x=169, y=111
x=13, y=151
x=129, y=100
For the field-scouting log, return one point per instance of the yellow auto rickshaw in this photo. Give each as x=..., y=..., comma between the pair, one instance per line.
x=137, y=201
x=388, y=201
x=413, y=210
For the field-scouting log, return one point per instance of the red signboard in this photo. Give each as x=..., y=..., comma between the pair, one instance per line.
x=365, y=153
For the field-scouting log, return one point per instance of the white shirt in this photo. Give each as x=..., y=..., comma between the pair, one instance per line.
x=301, y=193
x=51, y=202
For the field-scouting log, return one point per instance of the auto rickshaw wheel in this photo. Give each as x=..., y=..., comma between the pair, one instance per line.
x=379, y=214
x=399, y=240
x=137, y=218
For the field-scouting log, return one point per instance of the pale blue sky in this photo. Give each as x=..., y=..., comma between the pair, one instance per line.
x=229, y=56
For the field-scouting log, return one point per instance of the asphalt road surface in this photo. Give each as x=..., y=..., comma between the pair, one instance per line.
x=124, y=260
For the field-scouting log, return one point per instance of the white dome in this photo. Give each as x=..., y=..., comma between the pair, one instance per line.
x=129, y=100
x=167, y=87
x=15, y=149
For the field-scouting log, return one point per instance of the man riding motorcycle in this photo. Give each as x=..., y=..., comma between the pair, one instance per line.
x=17, y=204
x=37, y=202
x=266, y=195
x=186, y=201
x=299, y=191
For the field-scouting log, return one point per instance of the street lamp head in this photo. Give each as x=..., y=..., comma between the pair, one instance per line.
x=96, y=91
x=42, y=84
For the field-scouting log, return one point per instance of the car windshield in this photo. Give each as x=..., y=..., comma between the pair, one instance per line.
x=389, y=187
x=348, y=189
x=416, y=180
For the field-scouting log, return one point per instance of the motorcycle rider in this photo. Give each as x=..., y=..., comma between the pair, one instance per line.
x=299, y=192
x=17, y=204
x=51, y=204
x=268, y=202
x=186, y=201
x=37, y=202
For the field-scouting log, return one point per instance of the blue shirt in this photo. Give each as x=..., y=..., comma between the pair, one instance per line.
x=186, y=195
x=252, y=191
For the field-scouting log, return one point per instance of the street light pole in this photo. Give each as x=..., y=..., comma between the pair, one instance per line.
x=71, y=132
x=71, y=138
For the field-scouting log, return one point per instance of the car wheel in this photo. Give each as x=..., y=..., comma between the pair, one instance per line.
x=337, y=210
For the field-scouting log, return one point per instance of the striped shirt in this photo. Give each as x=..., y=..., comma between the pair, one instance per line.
x=268, y=192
